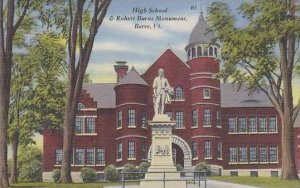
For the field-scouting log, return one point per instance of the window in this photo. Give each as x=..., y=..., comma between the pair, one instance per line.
x=131, y=149
x=252, y=154
x=144, y=150
x=58, y=156
x=243, y=154
x=189, y=54
x=119, y=119
x=119, y=151
x=170, y=114
x=205, y=52
x=90, y=156
x=206, y=93
x=233, y=155
x=232, y=125
x=199, y=51
x=179, y=119
x=90, y=125
x=262, y=127
x=79, y=124
x=242, y=125
x=193, y=52
x=194, y=118
x=207, y=117
x=179, y=93
x=194, y=150
x=80, y=106
x=207, y=149
x=219, y=150
x=100, y=157
x=272, y=124
x=216, y=52
x=218, y=119
x=211, y=52
x=273, y=154
x=263, y=154
x=131, y=118
x=79, y=156
x=143, y=119
x=252, y=125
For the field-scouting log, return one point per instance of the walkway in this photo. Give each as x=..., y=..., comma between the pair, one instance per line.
x=210, y=184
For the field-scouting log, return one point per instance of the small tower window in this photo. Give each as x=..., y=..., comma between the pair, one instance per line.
x=80, y=106
x=205, y=52
x=189, y=54
x=178, y=93
x=206, y=93
x=216, y=52
x=199, y=51
x=193, y=52
x=211, y=51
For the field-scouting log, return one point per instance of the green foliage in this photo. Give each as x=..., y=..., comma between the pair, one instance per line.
x=129, y=168
x=30, y=164
x=143, y=167
x=179, y=167
x=56, y=175
x=203, y=166
x=111, y=173
x=88, y=175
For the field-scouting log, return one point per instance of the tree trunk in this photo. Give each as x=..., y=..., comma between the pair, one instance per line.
x=4, y=99
x=14, y=165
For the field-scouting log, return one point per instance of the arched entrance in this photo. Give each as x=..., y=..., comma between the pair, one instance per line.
x=185, y=148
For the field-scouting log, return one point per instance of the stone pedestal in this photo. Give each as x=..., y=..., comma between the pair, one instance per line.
x=162, y=156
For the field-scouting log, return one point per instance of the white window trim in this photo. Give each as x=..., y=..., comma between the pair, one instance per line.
x=209, y=93
x=86, y=134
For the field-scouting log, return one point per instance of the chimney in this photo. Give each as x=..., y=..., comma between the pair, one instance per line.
x=121, y=69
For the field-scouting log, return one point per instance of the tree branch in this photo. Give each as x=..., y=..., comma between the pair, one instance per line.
x=21, y=18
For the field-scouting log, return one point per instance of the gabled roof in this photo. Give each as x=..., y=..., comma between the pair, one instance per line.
x=201, y=33
x=231, y=97
x=132, y=77
x=103, y=93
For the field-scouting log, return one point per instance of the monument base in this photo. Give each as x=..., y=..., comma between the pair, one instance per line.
x=162, y=172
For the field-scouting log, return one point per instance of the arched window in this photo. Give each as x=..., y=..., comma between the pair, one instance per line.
x=80, y=106
x=189, y=54
x=211, y=52
x=205, y=52
x=199, y=51
x=193, y=52
x=179, y=93
x=216, y=52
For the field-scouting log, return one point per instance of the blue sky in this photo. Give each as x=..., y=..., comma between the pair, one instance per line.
x=121, y=41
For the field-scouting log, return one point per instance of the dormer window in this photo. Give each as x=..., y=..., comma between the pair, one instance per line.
x=179, y=93
x=211, y=52
x=80, y=106
x=199, y=51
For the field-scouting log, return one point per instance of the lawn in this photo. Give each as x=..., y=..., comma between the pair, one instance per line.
x=75, y=185
x=263, y=182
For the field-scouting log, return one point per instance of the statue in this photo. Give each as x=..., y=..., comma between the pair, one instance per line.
x=162, y=92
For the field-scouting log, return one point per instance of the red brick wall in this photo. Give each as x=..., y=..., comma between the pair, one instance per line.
x=297, y=148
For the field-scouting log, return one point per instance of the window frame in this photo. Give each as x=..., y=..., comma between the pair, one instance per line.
x=275, y=129
x=194, y=150
x=195, y=120
x=179, y=94
x=220, y=150
x=100, y=156
x=58, y=156
x=272, y=155
x=252, y=153
x=81, y=152
x=143, y=119
x=90, y=128
x=208, y=92
x=251, y=128
x=90, y=159
x=131, y=118
x=119, y=151
x=119, y=119
x=244, y=123
x=82, y=125
x=131, y=154
x=207, y=149
x=179, y=120
x=234, y=121
x=207, y=116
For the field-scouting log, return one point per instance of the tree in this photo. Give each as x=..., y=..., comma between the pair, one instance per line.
x=251, y=58
x=12, y=15
x=37, y=92
x=79, y=22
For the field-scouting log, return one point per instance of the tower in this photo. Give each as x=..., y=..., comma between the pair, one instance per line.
x=202, y=55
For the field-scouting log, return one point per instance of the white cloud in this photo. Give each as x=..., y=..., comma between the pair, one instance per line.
x=117, y=47
x=129, y=28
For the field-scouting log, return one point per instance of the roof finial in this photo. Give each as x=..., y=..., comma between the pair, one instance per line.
x=169, y=46
x=201, y=9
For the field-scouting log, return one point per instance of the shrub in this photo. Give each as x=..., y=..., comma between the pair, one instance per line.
x=31, y=171
x=88, y=174
x=56, y=175
x=143, y=167
x=203, y=166
x=130, y=168
x=179, y=167
x=111, y=173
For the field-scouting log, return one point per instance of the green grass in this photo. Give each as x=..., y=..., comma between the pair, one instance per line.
x=74, y=185
x=262, y=182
